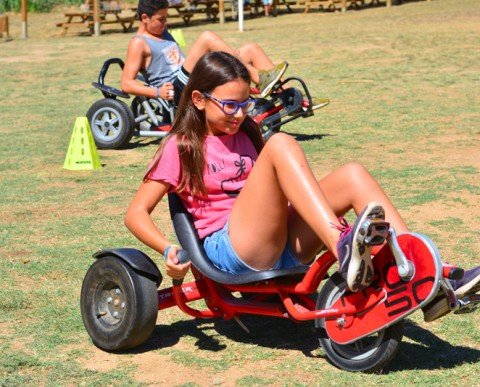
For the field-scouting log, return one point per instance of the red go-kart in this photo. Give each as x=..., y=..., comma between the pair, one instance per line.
x=358, y=331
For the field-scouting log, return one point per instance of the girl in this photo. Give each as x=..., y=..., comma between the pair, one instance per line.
x=255, y=206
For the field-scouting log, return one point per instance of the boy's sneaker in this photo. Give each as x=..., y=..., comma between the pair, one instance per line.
x=468, y=285
x=268, y=78
x=317, y=103
x=355, y=244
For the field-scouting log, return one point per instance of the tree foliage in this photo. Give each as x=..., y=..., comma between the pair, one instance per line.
x=35, y=5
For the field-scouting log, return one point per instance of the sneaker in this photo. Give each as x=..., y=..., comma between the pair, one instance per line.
x=317, y=103
x=268, y=78
x=354, y=253
x=468, y=285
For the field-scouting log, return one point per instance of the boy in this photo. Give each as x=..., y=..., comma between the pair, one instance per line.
x=154, y=53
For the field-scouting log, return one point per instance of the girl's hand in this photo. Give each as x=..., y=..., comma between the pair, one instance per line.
x=166, y=91
x=175, y=269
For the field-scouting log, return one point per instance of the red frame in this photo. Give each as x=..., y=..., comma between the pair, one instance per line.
x=387, y=301
x=296, y=303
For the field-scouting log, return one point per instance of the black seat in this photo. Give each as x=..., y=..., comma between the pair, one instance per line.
x=187, y=236
x=109, y=91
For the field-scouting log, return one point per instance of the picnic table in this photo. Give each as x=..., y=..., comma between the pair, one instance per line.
x=208, y=7
x=180, y=10
x=84, y=18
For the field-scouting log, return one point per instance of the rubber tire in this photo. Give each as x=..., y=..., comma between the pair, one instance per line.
x=137, y=318
x=138, y=110
x=380, y=348
x=109, y=113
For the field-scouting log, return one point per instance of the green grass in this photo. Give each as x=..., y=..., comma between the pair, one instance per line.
x=404, y=89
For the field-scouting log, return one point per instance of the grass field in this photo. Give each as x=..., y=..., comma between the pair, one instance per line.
x=404, y=85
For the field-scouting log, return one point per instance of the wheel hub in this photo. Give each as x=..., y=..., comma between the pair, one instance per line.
x=111, y=304
x=106, y=123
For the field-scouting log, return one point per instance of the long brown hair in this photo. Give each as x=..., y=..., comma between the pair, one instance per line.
x=212, y=70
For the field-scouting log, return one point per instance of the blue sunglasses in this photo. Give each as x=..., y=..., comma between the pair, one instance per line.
x=230, y=107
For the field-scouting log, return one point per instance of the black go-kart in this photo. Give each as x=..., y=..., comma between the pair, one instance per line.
x=113, y=122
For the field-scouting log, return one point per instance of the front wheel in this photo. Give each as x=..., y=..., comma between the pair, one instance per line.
x=119, y=306
x=369, y=354
x=112, y=123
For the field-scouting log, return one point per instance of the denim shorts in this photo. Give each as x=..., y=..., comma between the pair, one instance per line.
x=220, y=251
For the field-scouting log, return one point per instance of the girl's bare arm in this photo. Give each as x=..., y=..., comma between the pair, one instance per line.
x=140, y=223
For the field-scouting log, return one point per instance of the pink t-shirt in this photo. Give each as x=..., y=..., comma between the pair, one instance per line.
x=229, y=160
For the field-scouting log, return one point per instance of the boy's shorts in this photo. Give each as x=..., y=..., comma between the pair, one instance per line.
x=267, y=2
x=179, y=84
x=220, y=251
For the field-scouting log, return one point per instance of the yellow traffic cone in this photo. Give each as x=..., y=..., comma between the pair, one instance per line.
x=82, y=152
x=178, y=36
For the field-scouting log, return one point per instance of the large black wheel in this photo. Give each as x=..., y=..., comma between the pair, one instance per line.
x=370, y=354
x=146, y=124
x=112, y=123
x=119, y=306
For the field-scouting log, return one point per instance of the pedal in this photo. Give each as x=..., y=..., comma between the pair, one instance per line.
x=373, y=232
x=452, y=272
x=468, y=304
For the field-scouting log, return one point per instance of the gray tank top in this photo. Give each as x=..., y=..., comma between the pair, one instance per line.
x=166, y=60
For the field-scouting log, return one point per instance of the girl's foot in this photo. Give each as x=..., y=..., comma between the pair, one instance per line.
x=354, y=247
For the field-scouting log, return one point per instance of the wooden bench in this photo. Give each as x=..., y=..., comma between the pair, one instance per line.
x=330, y=4
x=285, y=3
x=207, y=7
x=125, y=21
x=181, y=12
x=340, y=4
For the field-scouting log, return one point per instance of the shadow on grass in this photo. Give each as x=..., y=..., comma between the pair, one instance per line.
x=427, y=351
x=308, y=137
x=264, y=331
x=140, y=142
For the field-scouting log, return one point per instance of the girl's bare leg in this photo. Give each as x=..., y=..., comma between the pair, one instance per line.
x=261, y=222
x=349, y=187
x=259, y=218
x=251, y=55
